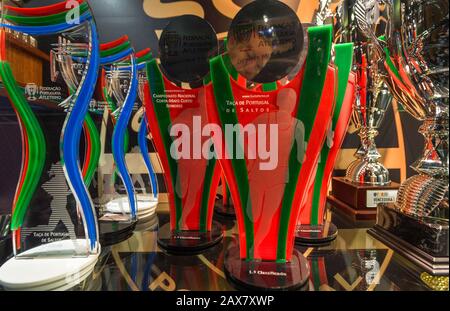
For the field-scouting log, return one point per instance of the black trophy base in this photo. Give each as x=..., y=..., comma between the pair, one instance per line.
x=316, y=235
x=114, y=232
x=189, y=242
x=225, y=210
x=5, y=248
x=266, y=275
x=425, y=246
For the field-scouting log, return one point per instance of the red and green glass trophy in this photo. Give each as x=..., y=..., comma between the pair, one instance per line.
x=176, y=110
x=313, y=226
x=268, y=141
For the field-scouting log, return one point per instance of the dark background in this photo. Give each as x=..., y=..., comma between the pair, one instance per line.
x=118, y=17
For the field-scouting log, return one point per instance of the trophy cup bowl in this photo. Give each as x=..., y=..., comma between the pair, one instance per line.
x=417, y=63
x=366, y=169
x=373, y=97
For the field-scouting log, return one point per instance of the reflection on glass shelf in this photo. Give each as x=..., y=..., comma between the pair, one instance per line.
x=354, y=262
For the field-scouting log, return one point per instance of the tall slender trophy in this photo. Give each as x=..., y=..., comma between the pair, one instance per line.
x=268, y=141
x=54, y=226
x=117, y=201
x=314, y=227
x=417, y=50
x=141, y=172
x=116, y=222
x=63, y=64
x=177, y=115
x=146, y=179
x=367, y=180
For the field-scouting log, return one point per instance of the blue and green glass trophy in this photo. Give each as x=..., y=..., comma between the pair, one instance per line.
x=116, y=199
x=54, y=225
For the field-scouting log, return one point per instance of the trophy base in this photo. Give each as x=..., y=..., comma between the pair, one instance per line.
x=266, y=275
x=225, y=210
x=425, y=246
x=189, y=242
x=47, y=273
x=114, y=232
x=147, y=224
x=5, y=248
x=316, y=235
x=146, y=206
x=358, y=201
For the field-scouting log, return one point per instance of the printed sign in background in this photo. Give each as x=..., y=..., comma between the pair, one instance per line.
x=143, y=20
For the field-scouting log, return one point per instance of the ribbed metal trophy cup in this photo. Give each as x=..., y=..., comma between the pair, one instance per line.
x=417, y=62
x=366, y=180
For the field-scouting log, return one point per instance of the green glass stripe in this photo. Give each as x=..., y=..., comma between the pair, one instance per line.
x=207, y=182
x=112, y=106
x=316, y=273
x=146, y=58
x=46, y=20
x=156, y=82
x=391, y=64
x=343, y=62
x=223, y=94
x=115, y=50
x=389, y=60
x=36, y=146
x=206, y=192
x=207, y=79
x=227, y=61
x=109, y=52
x=313, y=82
x=229, y=66
x=318, y=185
x=268, y=87
x=95, y=149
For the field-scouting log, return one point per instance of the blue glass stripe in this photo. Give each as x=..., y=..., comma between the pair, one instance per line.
x=70, y=145
x=142, y=140
x=50, y=29
x=116, y=57
x=110, y=59
x=118, y=139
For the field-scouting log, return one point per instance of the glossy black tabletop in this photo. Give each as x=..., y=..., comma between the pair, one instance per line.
x=355, y=261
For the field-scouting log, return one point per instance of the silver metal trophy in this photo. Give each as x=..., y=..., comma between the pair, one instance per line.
x=367, y=180
x=373, y=97
x=417, y=62
x=419, y=79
